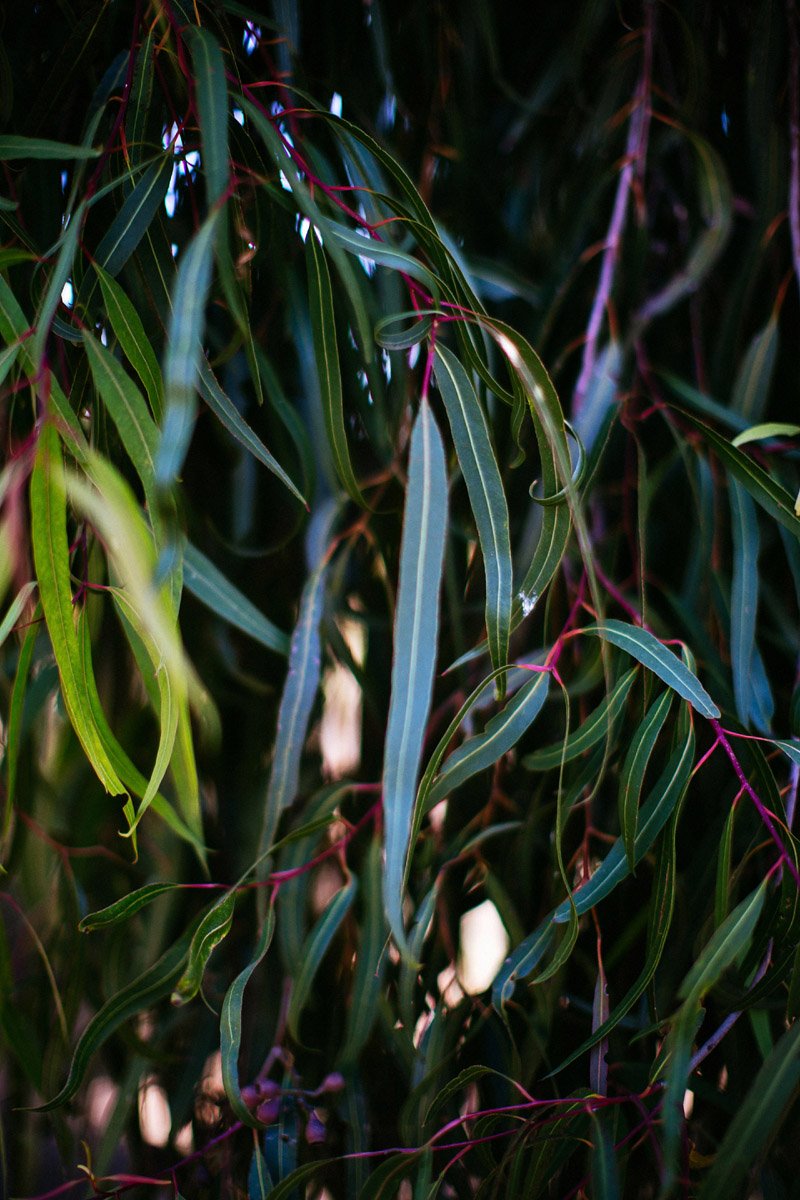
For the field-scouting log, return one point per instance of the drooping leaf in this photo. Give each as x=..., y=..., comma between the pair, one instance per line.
x=215, y=925
x=658, y=658
x=224, y=409
x=129, y=331
x=210, y=586
x=52, y=560
x=124, y=909
x=184, y=350
x=415, y=639
x=587, y=735
x=317, y=943
x=502, y=732
x=139, y=208
x=326, y=353
x=212, y=105
x=754, y=702
x=482, y=476
x=12, y=146
x=634, y=769
x=146, y=990
x=230, y=1024
x=297, y=700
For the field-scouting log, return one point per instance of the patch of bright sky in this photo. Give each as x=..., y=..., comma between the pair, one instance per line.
x=188, y=164
x=251, y=37
x=238, y=116
x=68, y=294
x=336, y=104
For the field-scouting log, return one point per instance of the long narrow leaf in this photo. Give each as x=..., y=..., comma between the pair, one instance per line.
x=415, y=639
x=326, y=353
x=502, y=733
x=184, y=350
x=230, y=1024
x=210, y=586
x=487, y=498
x=651, y=653
x=51, y=556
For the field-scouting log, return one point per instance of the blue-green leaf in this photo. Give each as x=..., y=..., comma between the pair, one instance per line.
x=210, y=586
x=126, y=324
x=184, y=350
x=316, y=945
x=212, y=104
x=502, y=732
x=12, y=146
x=214, y=926
x=139, y=208
x=485, y=487
x=297, y=700
x=226, y=412
x=651, y=653
x=415, y=638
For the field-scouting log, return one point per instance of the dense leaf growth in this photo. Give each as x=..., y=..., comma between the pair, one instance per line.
x=399, y=579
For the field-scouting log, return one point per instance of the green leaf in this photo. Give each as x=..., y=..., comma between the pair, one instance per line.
x=729, y=941
x=224, y=409
x=415, y=638
x=664, y=797
x=589, y=732
x=126, y=324
x=16, y=710
x=124, y=909
x=212, y=105
x=326, y=353
x=51, y=557
x=138, y=210
x=751, y=390
x=137, y=431
x=68, y=245
x=314, y=950
x=634, y=769
x=16, y=609
x=151, y=986
x=651, y=653
x=605, y=1170
x=184, y=350
x=230, y=1024
x=756, y=1118
x=12, y=147
x=502, y=732
x=766, y=432
x=485, y=487
x=213, y=928
x=773, y=498
x=210, y=586
x=365, y=996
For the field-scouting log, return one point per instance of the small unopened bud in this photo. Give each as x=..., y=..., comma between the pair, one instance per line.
x=269, y=1111
x=315, y=1130
x=332, y=1083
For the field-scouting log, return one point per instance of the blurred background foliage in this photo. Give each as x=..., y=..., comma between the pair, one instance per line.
x=258, y=432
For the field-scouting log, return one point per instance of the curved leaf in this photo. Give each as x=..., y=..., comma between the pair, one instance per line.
x=230, y=1024
x=210, y=586
x=485, y=487
x=316, y=945
x=502, y=732
x=651, y=653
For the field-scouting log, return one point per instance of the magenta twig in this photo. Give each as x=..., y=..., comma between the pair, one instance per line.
x=761, y=808
x=633, y=167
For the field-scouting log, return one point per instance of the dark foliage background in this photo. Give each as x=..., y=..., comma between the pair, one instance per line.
x=614, y=186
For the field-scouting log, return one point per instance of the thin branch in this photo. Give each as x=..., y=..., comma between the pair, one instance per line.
x=632, y=169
